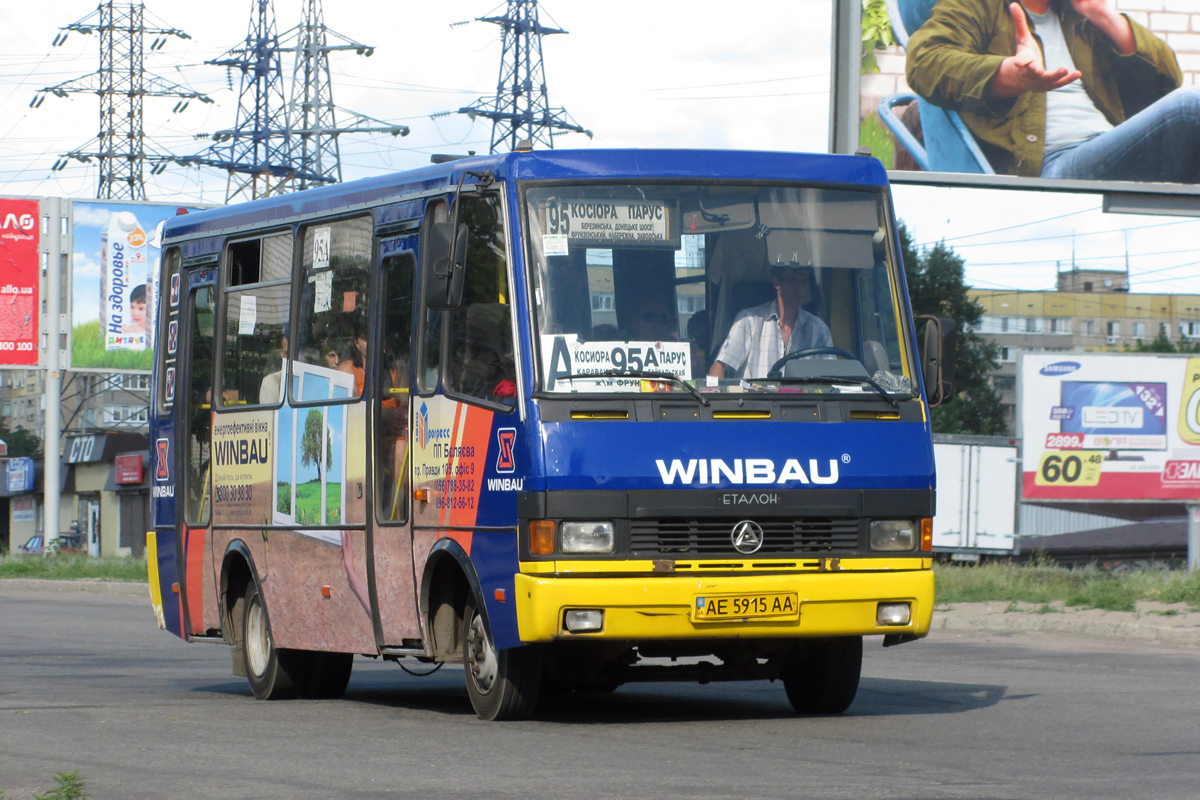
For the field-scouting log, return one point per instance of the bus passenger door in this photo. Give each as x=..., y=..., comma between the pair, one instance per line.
x=392, y=579
x=196, y=384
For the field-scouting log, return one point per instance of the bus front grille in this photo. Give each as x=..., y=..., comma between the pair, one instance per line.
x=714, y=536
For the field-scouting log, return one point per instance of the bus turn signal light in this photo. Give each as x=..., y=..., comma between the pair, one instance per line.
x=927, y=535
x=541, y=537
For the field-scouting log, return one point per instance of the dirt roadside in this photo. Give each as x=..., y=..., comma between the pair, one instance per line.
x=1152, y=622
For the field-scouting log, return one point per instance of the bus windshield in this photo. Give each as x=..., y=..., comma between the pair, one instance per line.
x=716, y=288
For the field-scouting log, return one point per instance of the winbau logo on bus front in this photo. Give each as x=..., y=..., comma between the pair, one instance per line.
x=749, y=470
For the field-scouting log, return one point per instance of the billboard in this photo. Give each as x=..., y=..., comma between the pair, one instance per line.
x=982, y=88
x=1110, y=427
x=18, y=282
x=114, y=267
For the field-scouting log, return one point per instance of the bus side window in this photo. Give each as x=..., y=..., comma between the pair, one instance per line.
x=392, y=429
x=480, y=362
x=429, y=336
x=332, y=333
x=258, y=294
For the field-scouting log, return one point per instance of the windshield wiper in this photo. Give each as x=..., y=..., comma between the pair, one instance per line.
x=637, y=373
x=845, y=381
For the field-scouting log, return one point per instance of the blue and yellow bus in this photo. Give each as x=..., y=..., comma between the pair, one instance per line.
x=569, y=418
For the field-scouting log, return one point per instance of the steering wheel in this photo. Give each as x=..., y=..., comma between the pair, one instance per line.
x=776, y=370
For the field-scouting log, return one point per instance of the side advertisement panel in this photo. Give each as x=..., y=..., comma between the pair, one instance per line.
x=1110, y=427
x=114, y=268
x=18, y=282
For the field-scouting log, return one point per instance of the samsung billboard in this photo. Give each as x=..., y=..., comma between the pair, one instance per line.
x=1110, y=427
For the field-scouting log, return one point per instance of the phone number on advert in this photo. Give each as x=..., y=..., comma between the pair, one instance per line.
x=233, y=494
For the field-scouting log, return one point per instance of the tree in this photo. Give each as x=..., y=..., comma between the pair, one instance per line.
x=1163, y=344
x=21, y=442
x=936, y=286
x=310, y=442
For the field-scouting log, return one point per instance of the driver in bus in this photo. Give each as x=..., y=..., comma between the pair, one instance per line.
x=756, y=339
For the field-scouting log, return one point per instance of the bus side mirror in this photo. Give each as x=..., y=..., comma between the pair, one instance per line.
x=938, y=345
x=447, y=259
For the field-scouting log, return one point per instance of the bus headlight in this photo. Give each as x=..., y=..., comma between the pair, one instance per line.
x=587, y=537
x=893, y=534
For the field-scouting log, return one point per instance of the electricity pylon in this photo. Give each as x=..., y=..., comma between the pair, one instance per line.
x=120, y=149
x=285, y=141
x=313, y=113
x=521, y=108
x=257, y=150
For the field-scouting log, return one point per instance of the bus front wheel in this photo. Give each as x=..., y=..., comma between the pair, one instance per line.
x=502, y=684
x=822, y=678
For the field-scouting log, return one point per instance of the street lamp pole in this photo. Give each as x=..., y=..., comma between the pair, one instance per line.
x=51, y=445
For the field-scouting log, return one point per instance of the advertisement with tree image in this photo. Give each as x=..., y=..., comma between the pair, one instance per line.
x=310, y=470
x=114, y=267
x=1110, y=427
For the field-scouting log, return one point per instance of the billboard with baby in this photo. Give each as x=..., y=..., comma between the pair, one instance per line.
x=115, y=260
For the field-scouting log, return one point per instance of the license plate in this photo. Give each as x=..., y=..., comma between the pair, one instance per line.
x=721, y=607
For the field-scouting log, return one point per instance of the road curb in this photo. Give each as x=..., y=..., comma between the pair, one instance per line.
x=105, y=587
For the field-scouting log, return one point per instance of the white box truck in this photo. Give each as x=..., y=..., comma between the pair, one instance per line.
x=977, y=496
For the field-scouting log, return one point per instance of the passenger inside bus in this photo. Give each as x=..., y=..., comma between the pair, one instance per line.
x=355, y=363
x=759, y=333
x=653, y=321
x=270, y=391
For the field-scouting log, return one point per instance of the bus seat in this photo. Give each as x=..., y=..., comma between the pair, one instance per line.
x=874, y=357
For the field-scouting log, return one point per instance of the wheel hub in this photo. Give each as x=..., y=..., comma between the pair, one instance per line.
x=481, y=656
x=258, y=642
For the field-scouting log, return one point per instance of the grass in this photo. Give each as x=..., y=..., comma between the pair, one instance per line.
x=70, y=787
x=1086, y=587
x=308, y=503
x=873, y=134
x=87, y=350
x=73, y=567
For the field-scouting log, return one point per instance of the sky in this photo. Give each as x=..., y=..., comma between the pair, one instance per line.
x=668, y=73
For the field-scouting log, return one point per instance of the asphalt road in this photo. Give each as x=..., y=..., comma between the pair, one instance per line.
x=88, y=683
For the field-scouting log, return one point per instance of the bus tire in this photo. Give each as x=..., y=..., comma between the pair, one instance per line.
x=327, y=675
x=271, y=672
x=502, y=684
x=823, y=677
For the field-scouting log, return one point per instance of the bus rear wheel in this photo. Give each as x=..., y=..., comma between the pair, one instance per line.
x=822, y=678
x=502, y=684
x=270, y=671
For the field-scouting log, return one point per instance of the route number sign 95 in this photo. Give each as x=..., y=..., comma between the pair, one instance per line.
x=1073, y=468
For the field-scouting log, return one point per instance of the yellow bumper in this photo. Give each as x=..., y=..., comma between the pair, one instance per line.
x=660, y=607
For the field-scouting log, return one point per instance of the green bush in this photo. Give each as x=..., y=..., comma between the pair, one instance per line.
x=1042, y=582
x=70, y=787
